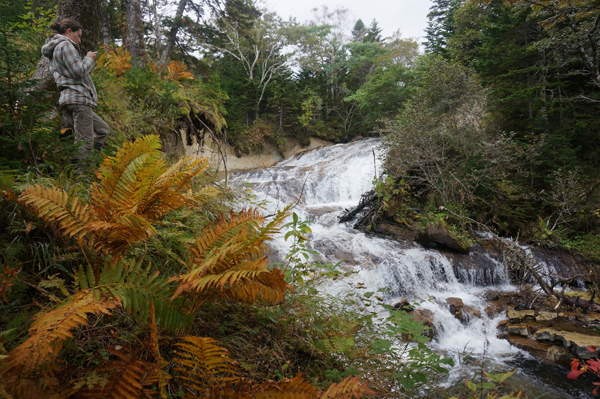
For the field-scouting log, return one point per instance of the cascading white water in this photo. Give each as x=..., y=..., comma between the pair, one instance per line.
x=322, y=183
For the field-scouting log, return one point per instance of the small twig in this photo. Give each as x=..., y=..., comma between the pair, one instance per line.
x=297, y=200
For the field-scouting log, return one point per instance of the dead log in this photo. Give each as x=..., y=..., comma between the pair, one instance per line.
x=368, y=198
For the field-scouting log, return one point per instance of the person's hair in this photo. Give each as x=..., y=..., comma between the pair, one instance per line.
x=62, y=26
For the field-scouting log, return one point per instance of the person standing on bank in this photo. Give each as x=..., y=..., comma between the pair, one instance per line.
x=77, y=91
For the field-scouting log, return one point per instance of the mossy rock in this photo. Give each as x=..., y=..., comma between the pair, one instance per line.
x=439, y=235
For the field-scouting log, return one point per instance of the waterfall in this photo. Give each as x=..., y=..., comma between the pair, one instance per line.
x=322, y=183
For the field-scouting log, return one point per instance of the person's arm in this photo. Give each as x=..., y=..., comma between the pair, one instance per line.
x=77, y=67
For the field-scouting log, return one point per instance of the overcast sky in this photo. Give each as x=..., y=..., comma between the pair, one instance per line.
x=410, y=16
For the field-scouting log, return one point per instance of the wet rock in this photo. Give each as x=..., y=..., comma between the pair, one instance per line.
x=577, y=343
x=516, y=316
x=468, y=313
x=492, y=296
x=438, y=237
x=425, y=316
x=546, y=316
x=518, y=329
x=455, y=305
x=477, y=267
x=560, y=263
x=547, y=352
x=558, y=354
x=395, y=231
x=403, y=304
x=345, y=256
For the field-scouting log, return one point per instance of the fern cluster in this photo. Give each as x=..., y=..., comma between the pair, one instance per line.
x=136, y=190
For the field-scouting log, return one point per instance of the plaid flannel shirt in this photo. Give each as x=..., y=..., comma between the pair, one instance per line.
x=71, y=73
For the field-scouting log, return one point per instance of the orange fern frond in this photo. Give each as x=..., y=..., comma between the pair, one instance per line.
x=116, y=237
x=162, y=376
x=135, y=189
x=292, y=388
x=127, y=377
x=167, y=190
x=8, y=194
x=228, y=260
x=348, y=388
x=118, y=61
x=7, y=277
x=225, y=230
x=54, y=205
x=266, y=286
x=50, y=330
x=201, y=196
x=128, y=374
x=178, y=71
x=202, y=364
x=23, y=388
x=119, y=174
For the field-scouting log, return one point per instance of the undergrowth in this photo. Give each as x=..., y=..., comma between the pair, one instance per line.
x=146, y=284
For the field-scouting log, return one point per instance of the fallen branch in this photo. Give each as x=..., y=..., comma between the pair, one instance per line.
x=519, y=259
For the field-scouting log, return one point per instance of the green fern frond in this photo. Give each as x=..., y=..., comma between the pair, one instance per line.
x=50, y=330
x=138, y=289
x=202, y=364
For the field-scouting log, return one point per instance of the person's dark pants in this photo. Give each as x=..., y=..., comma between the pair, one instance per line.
x=87, y=127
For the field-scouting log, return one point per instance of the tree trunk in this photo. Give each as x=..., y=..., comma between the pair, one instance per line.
x=133, y=39
x=157, y=31
x=89, y=14
x=166, y=55
x=105, y=25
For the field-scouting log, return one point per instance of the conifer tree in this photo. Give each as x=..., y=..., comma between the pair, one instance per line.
x=440, y=25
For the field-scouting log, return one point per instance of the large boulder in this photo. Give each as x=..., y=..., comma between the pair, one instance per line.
x=438, y=236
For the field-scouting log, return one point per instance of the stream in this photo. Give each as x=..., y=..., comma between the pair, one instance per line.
x=326, y=181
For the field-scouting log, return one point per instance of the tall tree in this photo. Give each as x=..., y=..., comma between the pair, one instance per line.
x=133, y=37
x=373, y=33
x=358, y=32
x=259, y=49
x=573, y=29
x=440, y=25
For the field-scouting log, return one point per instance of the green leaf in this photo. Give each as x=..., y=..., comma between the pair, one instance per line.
x=472, y=386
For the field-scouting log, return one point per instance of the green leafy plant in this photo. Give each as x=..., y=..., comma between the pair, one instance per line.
x=490, y=387
x=296, y=268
